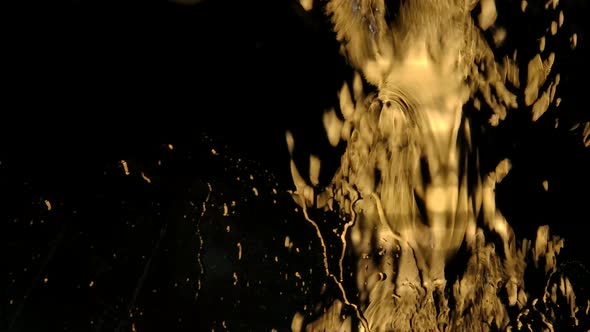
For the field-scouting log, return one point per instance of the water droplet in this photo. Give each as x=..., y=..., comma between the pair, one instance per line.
x=561, y=18
x=125, y=167
x=145, y=177
x=574, y=40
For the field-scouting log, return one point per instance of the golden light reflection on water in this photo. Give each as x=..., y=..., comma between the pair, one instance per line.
x=410, y=182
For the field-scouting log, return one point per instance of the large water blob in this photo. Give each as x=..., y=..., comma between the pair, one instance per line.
x=411, y=187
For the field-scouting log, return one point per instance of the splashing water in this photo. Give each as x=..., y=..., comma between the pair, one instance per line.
x=410, y=185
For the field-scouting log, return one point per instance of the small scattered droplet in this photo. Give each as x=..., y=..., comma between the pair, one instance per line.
x=561, y=18
x=553, y=28
x=306, y=4
x=147, y=179
x=574, y=40
x=125, y=167
x=288, y=243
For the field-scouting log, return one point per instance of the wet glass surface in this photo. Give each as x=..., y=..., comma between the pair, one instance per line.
x=202, y=233
x=87, y=247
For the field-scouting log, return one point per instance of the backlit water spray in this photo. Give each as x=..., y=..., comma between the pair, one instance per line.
x=410, y=186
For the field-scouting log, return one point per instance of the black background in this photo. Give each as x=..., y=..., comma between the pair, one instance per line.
x=90, y=83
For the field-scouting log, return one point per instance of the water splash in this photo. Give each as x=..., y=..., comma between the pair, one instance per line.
x=411, y=186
